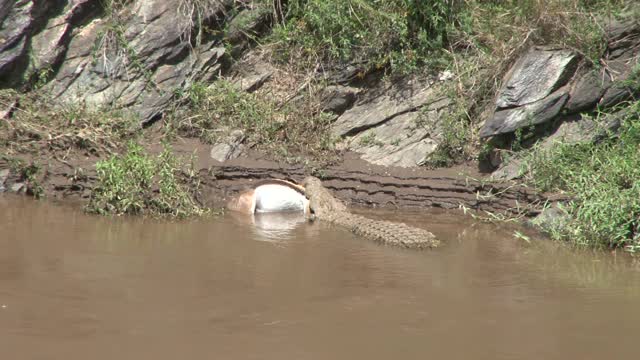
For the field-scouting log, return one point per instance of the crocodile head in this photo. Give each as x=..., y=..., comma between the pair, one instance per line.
x=321, y=203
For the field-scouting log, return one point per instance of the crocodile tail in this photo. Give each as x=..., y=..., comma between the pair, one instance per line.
x=387, y=232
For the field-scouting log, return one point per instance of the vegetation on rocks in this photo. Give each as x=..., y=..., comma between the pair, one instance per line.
x=603, y=181
x=462, y=36
x=406, y=33
x=399, y=33
x=287, y=131
x=37, y=123
x=138, y=183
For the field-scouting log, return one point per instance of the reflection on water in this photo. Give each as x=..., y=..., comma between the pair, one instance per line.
x=273, y=227
x=74, y=286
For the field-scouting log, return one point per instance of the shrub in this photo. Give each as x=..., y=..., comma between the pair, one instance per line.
x=136, y=183
x=215, y=110
x=603, y=180
x=39, y=123
x=399, y=32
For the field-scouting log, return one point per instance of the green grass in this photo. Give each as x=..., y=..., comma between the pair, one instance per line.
x=603, y=180
x=399, y=33
x=138, y=183
x=476, y=40
x=454, y=145
x=38, y=123
x=287, y=132
x=407, y=34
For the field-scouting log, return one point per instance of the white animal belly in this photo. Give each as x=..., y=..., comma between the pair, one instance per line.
x=279, y=198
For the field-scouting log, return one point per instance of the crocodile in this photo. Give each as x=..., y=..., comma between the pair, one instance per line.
x=325, y=207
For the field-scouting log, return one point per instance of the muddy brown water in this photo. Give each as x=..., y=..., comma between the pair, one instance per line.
x=74, y=286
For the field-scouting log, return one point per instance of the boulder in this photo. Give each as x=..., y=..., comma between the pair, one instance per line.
x=551, y=219
x=47, y=46
x=396, y=124
x=571, y=132
x=337, y=98
x=15, y=22
x=588, y=90
x=400, y=141
x=382, y=104
x=509, y=170
x=141, y=67
x=17, y=187
x=228, y=148
x=4, y=174
x=534, y=91
x=547, y=84
x=251, y=73
x=247, y=25
x=536, y=75
x=509, y=120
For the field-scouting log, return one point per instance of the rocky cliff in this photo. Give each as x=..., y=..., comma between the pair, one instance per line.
x=131, y=54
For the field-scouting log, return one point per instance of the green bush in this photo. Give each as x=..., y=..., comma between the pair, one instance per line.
x=136, y=183
x=41, y=123
x=284, y=131
x=603, y=180
x=399, y=32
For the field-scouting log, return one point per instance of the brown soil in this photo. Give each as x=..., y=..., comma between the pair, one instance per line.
x=352, y=180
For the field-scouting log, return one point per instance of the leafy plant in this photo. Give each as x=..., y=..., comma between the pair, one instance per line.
x=397, y=32
x=603, y=180
x=136, y=183
x=454, y=145
x=38, y=122
x=214, y=111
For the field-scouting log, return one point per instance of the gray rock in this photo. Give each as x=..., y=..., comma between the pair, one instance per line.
x=16, y=187
x=536, y=75
x=510, y=170
x=230, y=148
x=47, y=46
x=571, y=132
x=587, y=91
x=15, y=21
x=381, y=105
x=509, y=120
x=143, y=73
x=337, y=99
x=395, y=124
x=551, y=219
x=400, y=141
x=536, y=88
x=622, y=60
x=620, y=30
x=246, y=26
x=616, y=94
x=345, y=74
x=251, y=73
x=4, y=174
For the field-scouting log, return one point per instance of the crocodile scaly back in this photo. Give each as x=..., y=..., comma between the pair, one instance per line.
x=327, y=208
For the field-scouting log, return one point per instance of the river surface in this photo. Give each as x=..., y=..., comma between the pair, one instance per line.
x=74, y=286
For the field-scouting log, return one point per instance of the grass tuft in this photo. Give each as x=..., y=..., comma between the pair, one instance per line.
x=288, y=131
x=36, y=123
x=603, y=180
x=137, y=183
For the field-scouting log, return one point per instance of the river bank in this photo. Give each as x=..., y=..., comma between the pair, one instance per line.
x=171, y=107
